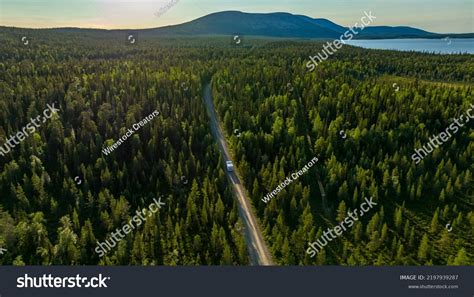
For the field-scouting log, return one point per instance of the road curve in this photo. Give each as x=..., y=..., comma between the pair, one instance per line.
x=256, y=246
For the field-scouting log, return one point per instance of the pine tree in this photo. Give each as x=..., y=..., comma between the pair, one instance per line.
x=434, y=222
x=461, y=258
x=423, y=249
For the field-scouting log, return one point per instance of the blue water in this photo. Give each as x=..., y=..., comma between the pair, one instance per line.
x=439, y=46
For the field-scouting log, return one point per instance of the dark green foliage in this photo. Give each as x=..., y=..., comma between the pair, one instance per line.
x=283, y=128
x=102, y=88
x=104, y=85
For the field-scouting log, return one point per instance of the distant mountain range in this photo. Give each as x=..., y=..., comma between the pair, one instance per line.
x=279, y=24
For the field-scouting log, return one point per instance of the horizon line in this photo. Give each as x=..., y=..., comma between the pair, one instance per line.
x=175, y=24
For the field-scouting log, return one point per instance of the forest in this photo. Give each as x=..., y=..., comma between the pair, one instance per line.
x=102, y=89
x=59, y=194
x=362, y=114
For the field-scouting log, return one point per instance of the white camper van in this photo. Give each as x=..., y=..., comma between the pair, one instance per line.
x=230, y=166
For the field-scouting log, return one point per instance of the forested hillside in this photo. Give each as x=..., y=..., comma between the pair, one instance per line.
x=59, y=194
x=102, y=88
x=362, y=114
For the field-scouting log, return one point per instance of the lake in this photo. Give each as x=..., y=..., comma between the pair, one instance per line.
x=440, y=46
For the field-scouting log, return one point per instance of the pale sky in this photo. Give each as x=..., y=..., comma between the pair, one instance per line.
x=441, y=16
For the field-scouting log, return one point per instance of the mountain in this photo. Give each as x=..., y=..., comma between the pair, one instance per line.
x=254, y=24
x=281, y=24
x=278, y=24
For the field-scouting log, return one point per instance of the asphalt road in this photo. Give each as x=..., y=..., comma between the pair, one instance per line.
x=258, y=251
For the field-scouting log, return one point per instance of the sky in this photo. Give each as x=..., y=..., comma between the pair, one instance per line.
x=440, y=16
